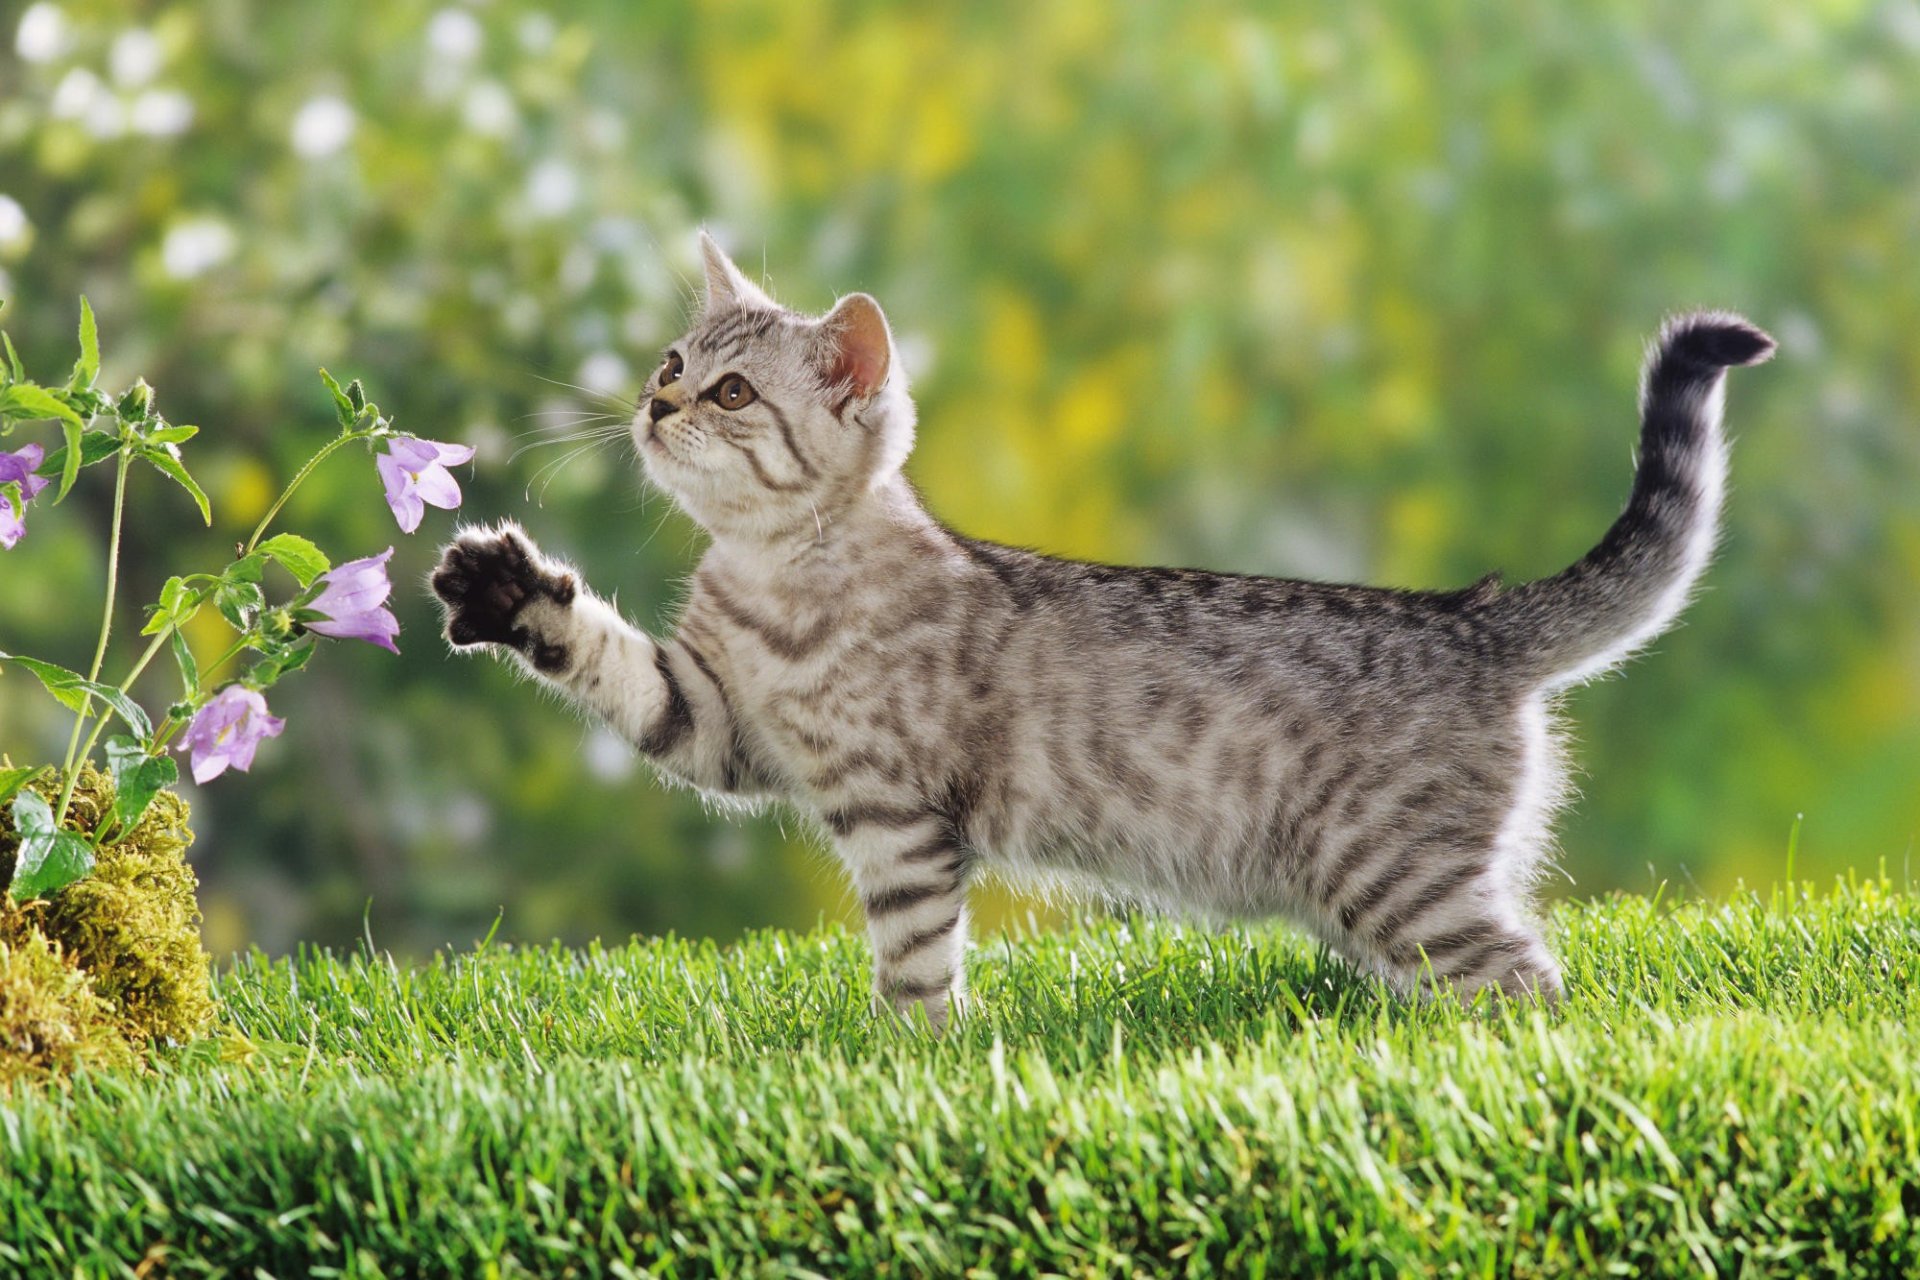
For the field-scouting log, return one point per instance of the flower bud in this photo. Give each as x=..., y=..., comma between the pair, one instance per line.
x=138, y=401
x=356, y=395
x=278, y=625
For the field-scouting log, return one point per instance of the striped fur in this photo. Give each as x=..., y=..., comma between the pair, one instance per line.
x=1378, y=766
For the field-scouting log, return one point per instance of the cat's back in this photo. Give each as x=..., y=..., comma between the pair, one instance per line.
x=1235, y=628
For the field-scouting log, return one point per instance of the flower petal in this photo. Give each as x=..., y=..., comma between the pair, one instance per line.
x=209, y=765
x=227, y=730
x=18, y=467
x=407, y=509
x=437, y=488
x=375, y=626
x=413, y=453
x=394, y=474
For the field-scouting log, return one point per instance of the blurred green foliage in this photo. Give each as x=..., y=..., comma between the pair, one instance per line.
x=1351, y=292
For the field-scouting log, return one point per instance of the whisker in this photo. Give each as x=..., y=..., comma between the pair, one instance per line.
x=570, y=431
x=658, y=525
x=552, y=470
x=599, y=422
x=595, y=433
x=582, y=414
x=590, y=392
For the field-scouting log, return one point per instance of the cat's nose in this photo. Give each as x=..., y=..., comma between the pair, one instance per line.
x=660, y=409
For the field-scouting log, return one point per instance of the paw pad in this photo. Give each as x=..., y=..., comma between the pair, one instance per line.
x=486, y=579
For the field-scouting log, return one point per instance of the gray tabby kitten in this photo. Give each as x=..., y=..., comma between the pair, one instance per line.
x=1377, y=766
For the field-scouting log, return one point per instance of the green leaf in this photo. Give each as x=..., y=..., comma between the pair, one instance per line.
x=72, y=688
x=247, y=568
x=11, y=780
x=30, y=402
x=183, y=657
x=168, y=464
x=58, y=681
x=137, y=778
x=342, y=407
x=239, y=603
x=13, y=359
x=172, y=435
x=87, y=368
x=88, y=402
x=26, y=401
x=49, y=859
x=178, y=602
x=297, y=556
x=266, y=673
x=95, y=446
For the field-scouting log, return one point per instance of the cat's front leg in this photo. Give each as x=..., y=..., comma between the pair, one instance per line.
x=911, y=876
x=499, y=591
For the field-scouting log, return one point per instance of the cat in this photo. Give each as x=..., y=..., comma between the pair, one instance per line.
x=1377, y=766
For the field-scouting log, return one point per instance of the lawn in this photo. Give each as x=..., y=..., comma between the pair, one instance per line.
x=1731, y=1089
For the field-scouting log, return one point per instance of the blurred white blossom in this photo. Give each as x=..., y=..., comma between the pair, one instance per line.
x=42, y=35
x=135, y=57
x=489, y=110
x=552, y=188
x=161, y=113
x=536, y=33
x=609, y=757
x=14, y=227
x=76, y=94
x=605, y=371
x=195, y=245
x=322, y=126
x=82, y=96
x=455, y=34
x=577, y=268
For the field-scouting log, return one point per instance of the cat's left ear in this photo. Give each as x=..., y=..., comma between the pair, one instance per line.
x=853, y=348
x=727, y=286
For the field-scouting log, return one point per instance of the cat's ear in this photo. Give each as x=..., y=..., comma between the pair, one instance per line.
x=727, y=287
x=853, y=348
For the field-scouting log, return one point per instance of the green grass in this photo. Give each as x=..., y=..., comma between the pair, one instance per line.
x=1732, y=1089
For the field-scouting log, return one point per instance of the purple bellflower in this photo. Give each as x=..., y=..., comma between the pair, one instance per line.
x=225, y=732
x=352, y=603
x=416, y=476
x=17, y=469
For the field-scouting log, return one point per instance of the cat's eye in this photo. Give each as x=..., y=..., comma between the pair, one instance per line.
x=670, y=371
x=734, y=392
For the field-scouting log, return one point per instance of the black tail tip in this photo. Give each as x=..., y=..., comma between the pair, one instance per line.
x=1715, y=340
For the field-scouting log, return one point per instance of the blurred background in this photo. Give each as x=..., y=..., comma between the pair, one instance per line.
x=1350, y=292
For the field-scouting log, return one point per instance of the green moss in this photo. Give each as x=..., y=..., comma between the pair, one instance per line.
x=133, y=926
x=51, y=1019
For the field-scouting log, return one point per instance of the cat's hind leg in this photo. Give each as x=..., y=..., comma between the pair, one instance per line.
x=1439, y=906
x=1493, y=949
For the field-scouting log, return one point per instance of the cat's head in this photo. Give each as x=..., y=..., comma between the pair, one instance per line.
x=764, y=423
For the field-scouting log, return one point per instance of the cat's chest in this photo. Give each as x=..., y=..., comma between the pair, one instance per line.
x=805, y=684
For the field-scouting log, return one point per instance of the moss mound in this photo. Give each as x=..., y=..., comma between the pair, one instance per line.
x=51, y=1019
x=126, y=939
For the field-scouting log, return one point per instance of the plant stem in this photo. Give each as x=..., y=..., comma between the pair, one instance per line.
x=100, y=725
x=167, y=727
x=295, y=483
x=67, y=768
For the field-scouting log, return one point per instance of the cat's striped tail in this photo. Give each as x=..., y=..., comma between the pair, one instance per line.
x=1627, y=590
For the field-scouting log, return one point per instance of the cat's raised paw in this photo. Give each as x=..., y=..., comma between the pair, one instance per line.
x=487, y=578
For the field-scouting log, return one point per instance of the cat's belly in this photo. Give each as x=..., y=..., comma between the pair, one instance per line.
x=1195, y=853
